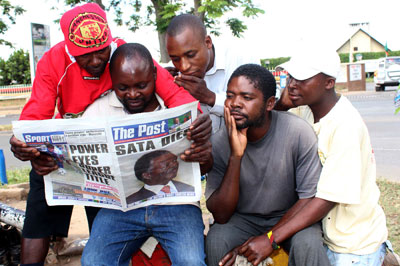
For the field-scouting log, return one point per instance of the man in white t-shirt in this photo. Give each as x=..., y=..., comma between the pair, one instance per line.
x=347, y=196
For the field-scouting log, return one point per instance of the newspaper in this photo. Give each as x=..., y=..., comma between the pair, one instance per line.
x=117, y=162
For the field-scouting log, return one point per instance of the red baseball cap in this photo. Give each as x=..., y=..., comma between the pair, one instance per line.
x=85, y=29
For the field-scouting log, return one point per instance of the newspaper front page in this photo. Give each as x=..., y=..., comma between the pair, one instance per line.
x=122, y=162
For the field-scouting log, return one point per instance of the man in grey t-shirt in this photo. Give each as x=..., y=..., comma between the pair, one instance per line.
x=266, y=168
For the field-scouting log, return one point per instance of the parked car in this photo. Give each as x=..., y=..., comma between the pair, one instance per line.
x=388, y=73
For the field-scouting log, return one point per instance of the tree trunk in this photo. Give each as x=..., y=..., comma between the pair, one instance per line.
x=197, y=4
x=100, y=3
x=163, y=48
x=164, y=58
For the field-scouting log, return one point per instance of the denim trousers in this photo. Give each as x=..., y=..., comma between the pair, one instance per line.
x=347, y=259
x=116, y=235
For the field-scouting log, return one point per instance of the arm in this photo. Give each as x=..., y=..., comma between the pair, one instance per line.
x=284, y=103
x=42, y=102
x=258, y=248
x=40, y=106
x=303, y=214
x=197, y=87
x=313, y=211
x=171, y=93
x=222, y=203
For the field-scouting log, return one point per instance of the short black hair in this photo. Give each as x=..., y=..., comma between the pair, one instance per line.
x=129, y=51
x=259, y=76
x=183, y=21
x=142, y=165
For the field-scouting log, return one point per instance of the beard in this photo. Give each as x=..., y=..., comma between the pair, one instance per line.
x=257, y=121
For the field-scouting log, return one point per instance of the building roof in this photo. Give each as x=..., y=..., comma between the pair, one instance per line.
x=358, y=30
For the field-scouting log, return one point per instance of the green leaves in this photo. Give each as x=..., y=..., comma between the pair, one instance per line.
x=237, y=27
x=132, y=13
x=16, y=69
x=215, y=9
x=8, y=15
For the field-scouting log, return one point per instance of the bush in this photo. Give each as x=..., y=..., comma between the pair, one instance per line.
x=344, y=58
x=274, y=62
x=16, y=70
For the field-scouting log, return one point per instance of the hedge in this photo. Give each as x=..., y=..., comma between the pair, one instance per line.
x=344, y=58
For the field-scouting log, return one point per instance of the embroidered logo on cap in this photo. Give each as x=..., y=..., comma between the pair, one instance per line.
x=88, y=30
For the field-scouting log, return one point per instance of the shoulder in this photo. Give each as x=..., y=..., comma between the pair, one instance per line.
x=53, y=64
x=294, y=129
x=291, y=121
x=59, y=48
x=118, y=41
x=56, y=55
x=100, y=106
x=180, y=186
x=139, y=195
x=343, y=116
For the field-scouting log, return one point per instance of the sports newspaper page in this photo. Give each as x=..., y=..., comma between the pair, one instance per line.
x=120, y=162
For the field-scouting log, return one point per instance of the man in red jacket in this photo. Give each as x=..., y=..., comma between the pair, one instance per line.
x=70, y=76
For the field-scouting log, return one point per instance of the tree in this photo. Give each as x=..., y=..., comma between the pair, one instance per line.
x=16, y=69
x=160, y=12
x=8, y=14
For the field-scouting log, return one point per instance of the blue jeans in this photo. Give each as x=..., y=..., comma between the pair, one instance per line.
x=344, y=259
x=116, y=235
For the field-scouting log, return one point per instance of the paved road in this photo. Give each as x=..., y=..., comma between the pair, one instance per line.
x=375, y=107
x=377, y=110
x=11, y=161
x=6, y=119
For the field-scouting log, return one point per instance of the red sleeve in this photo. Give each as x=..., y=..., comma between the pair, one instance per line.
x=169, y=91
x=42, y=102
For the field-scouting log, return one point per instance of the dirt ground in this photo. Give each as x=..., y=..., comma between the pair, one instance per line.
x=78, y=230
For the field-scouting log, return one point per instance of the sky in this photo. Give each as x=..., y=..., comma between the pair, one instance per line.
x=276, y=33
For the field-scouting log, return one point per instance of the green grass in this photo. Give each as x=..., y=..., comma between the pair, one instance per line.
x=5, y=127
x=390, y=202
x=369, y=80
x=18, y=176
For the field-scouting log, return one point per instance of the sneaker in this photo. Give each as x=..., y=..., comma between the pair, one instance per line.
x=4, y=253
x=13, y=237
x=4, y=257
